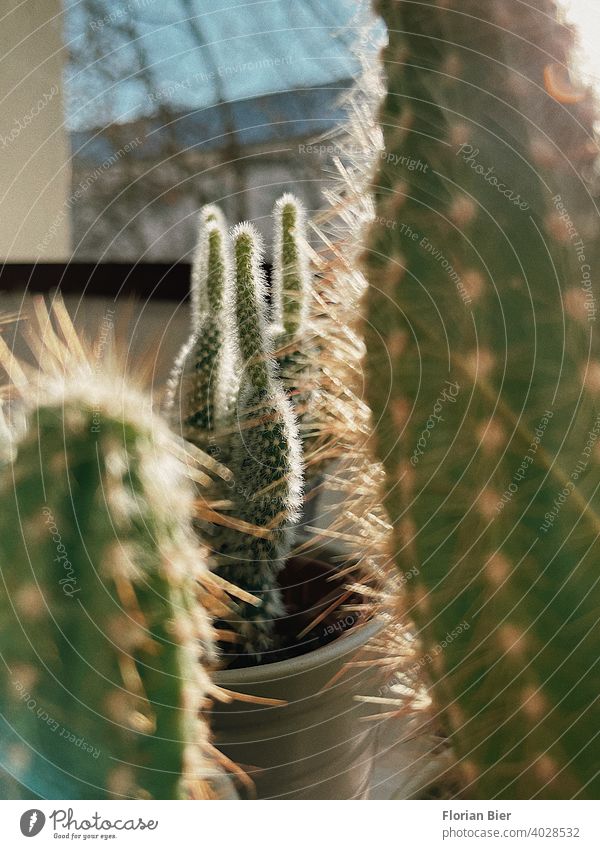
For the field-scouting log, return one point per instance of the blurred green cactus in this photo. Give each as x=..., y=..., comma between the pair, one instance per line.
x=484, y=374
x=104, y=642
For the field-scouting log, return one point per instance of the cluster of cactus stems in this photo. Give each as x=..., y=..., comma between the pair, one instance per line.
x=104, y=635
x=483, y=375
x=227, y=396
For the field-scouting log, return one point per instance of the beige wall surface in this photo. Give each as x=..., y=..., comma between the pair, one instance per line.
x=149, y=333
x=34, y=149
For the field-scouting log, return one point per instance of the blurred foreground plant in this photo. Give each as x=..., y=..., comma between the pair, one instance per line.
x=104, y=632
x=483, y=375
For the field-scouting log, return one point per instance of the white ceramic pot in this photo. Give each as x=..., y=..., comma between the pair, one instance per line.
x=317, y=745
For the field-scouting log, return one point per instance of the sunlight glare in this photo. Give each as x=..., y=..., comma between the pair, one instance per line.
x=585, y=14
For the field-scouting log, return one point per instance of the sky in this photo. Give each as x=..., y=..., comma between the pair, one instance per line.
x=232, y=50
x=238, y=50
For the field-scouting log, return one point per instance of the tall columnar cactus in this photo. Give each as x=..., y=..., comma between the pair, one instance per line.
x=291, y=274
x=295, y=346
x=203, y=384
x=484, y=374
x=266, y=459
x=104, y=644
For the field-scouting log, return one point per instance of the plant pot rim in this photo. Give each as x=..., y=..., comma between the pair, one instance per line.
x=351, y=640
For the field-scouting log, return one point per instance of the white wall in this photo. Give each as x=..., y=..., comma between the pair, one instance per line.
x=150, y=333
x=34, y=150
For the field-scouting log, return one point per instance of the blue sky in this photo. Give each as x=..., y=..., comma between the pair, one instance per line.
x=238, y=50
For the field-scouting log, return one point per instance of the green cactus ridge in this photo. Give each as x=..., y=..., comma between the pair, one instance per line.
x=105, y=644
x=475, y=264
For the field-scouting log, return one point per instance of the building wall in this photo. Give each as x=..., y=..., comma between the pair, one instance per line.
x=34, y=149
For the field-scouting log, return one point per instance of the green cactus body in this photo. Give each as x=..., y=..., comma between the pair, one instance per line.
x=202, y=386
x=295, y=348
x=291, y=276
x=104, y=644
x=266, y=460
x=483, y=375
x=254, y=336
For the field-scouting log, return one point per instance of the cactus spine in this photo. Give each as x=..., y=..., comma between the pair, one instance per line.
x=483, y=375
x=104, y=642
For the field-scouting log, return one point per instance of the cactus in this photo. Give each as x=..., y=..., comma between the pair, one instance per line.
x=483, y=375
x=105, y=644
x=202, y=386
x=291, y=276
x=296, y=349
x=266, y=455
x=6, y=438
x=290, y=289
x=308, y=345
x=201, y=391
x=257, y=437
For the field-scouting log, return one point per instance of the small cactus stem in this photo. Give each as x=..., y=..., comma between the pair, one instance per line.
x=208, y=268
x=265, y=459
x=202, y=386
x=291, y=276
x=291, y=290
x=254, y=337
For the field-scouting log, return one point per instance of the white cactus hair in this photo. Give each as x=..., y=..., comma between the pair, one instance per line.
x=173, y=394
